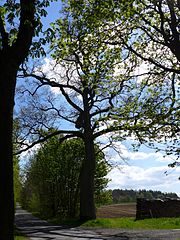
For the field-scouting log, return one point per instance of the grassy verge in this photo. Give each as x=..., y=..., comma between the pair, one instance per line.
x=124, y=222
x=18, y=235
x=20, y=238
x=130, y=223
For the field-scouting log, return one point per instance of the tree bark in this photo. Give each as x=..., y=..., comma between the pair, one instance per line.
x=7, y=88
x=87, y=205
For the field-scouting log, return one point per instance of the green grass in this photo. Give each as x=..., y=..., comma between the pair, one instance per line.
x=21, y=238
x=18, y=235
x=130, y=223
x=125, y=222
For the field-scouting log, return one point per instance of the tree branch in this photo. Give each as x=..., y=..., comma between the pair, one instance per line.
x=26, y=30
x=58, y=112
x=100, y=111
x=46, y=81
x=148, y=59
x=70, y=134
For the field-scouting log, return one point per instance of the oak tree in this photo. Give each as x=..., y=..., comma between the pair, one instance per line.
x=96, y=87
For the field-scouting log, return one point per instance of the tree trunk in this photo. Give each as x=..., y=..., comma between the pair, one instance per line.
x=10, y=59
x=87, y=205
x=7, y=88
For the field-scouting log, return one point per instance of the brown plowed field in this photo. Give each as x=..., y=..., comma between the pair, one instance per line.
x=117, y=210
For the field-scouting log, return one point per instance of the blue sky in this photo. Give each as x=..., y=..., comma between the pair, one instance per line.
x=144, y=169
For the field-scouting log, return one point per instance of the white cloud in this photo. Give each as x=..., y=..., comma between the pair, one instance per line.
x=26, y=155
x=51, y=71
x=139, y=172
x=141, y=71
x=166, y=159
x=141, y=155
x=155, y=156
x=133, y=177
x=58, y=72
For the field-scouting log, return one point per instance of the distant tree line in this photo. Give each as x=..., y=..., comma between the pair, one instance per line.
x=120, y=195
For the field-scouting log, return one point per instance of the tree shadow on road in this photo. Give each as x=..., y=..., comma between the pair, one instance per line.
x=40, y=229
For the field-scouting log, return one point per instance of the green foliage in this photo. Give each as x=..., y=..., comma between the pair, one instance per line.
x=10, y=14
x=16, y=167
x=104, y=198
x=18, y=235
x=119, y=38
x=20, y=238
x=17, y=180
x=52, y=179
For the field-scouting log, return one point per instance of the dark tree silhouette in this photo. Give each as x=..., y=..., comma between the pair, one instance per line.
x=21, y=19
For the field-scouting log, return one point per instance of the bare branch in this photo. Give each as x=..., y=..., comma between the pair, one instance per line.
x=149, y=59
x=45, y=81
x=70, y=134
x=26, y=30
x=58, y=112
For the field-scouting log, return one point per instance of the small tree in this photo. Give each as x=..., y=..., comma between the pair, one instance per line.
x=52, y=178
x=17, y=180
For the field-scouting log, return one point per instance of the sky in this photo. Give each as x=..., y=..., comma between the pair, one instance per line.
x=144, y=169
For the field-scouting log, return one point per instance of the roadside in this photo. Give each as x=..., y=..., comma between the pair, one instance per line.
x=37, y=229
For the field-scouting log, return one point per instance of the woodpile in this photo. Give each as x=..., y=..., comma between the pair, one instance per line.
x=157, y=208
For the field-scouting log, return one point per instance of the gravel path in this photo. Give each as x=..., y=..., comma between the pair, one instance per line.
x=37, y=229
